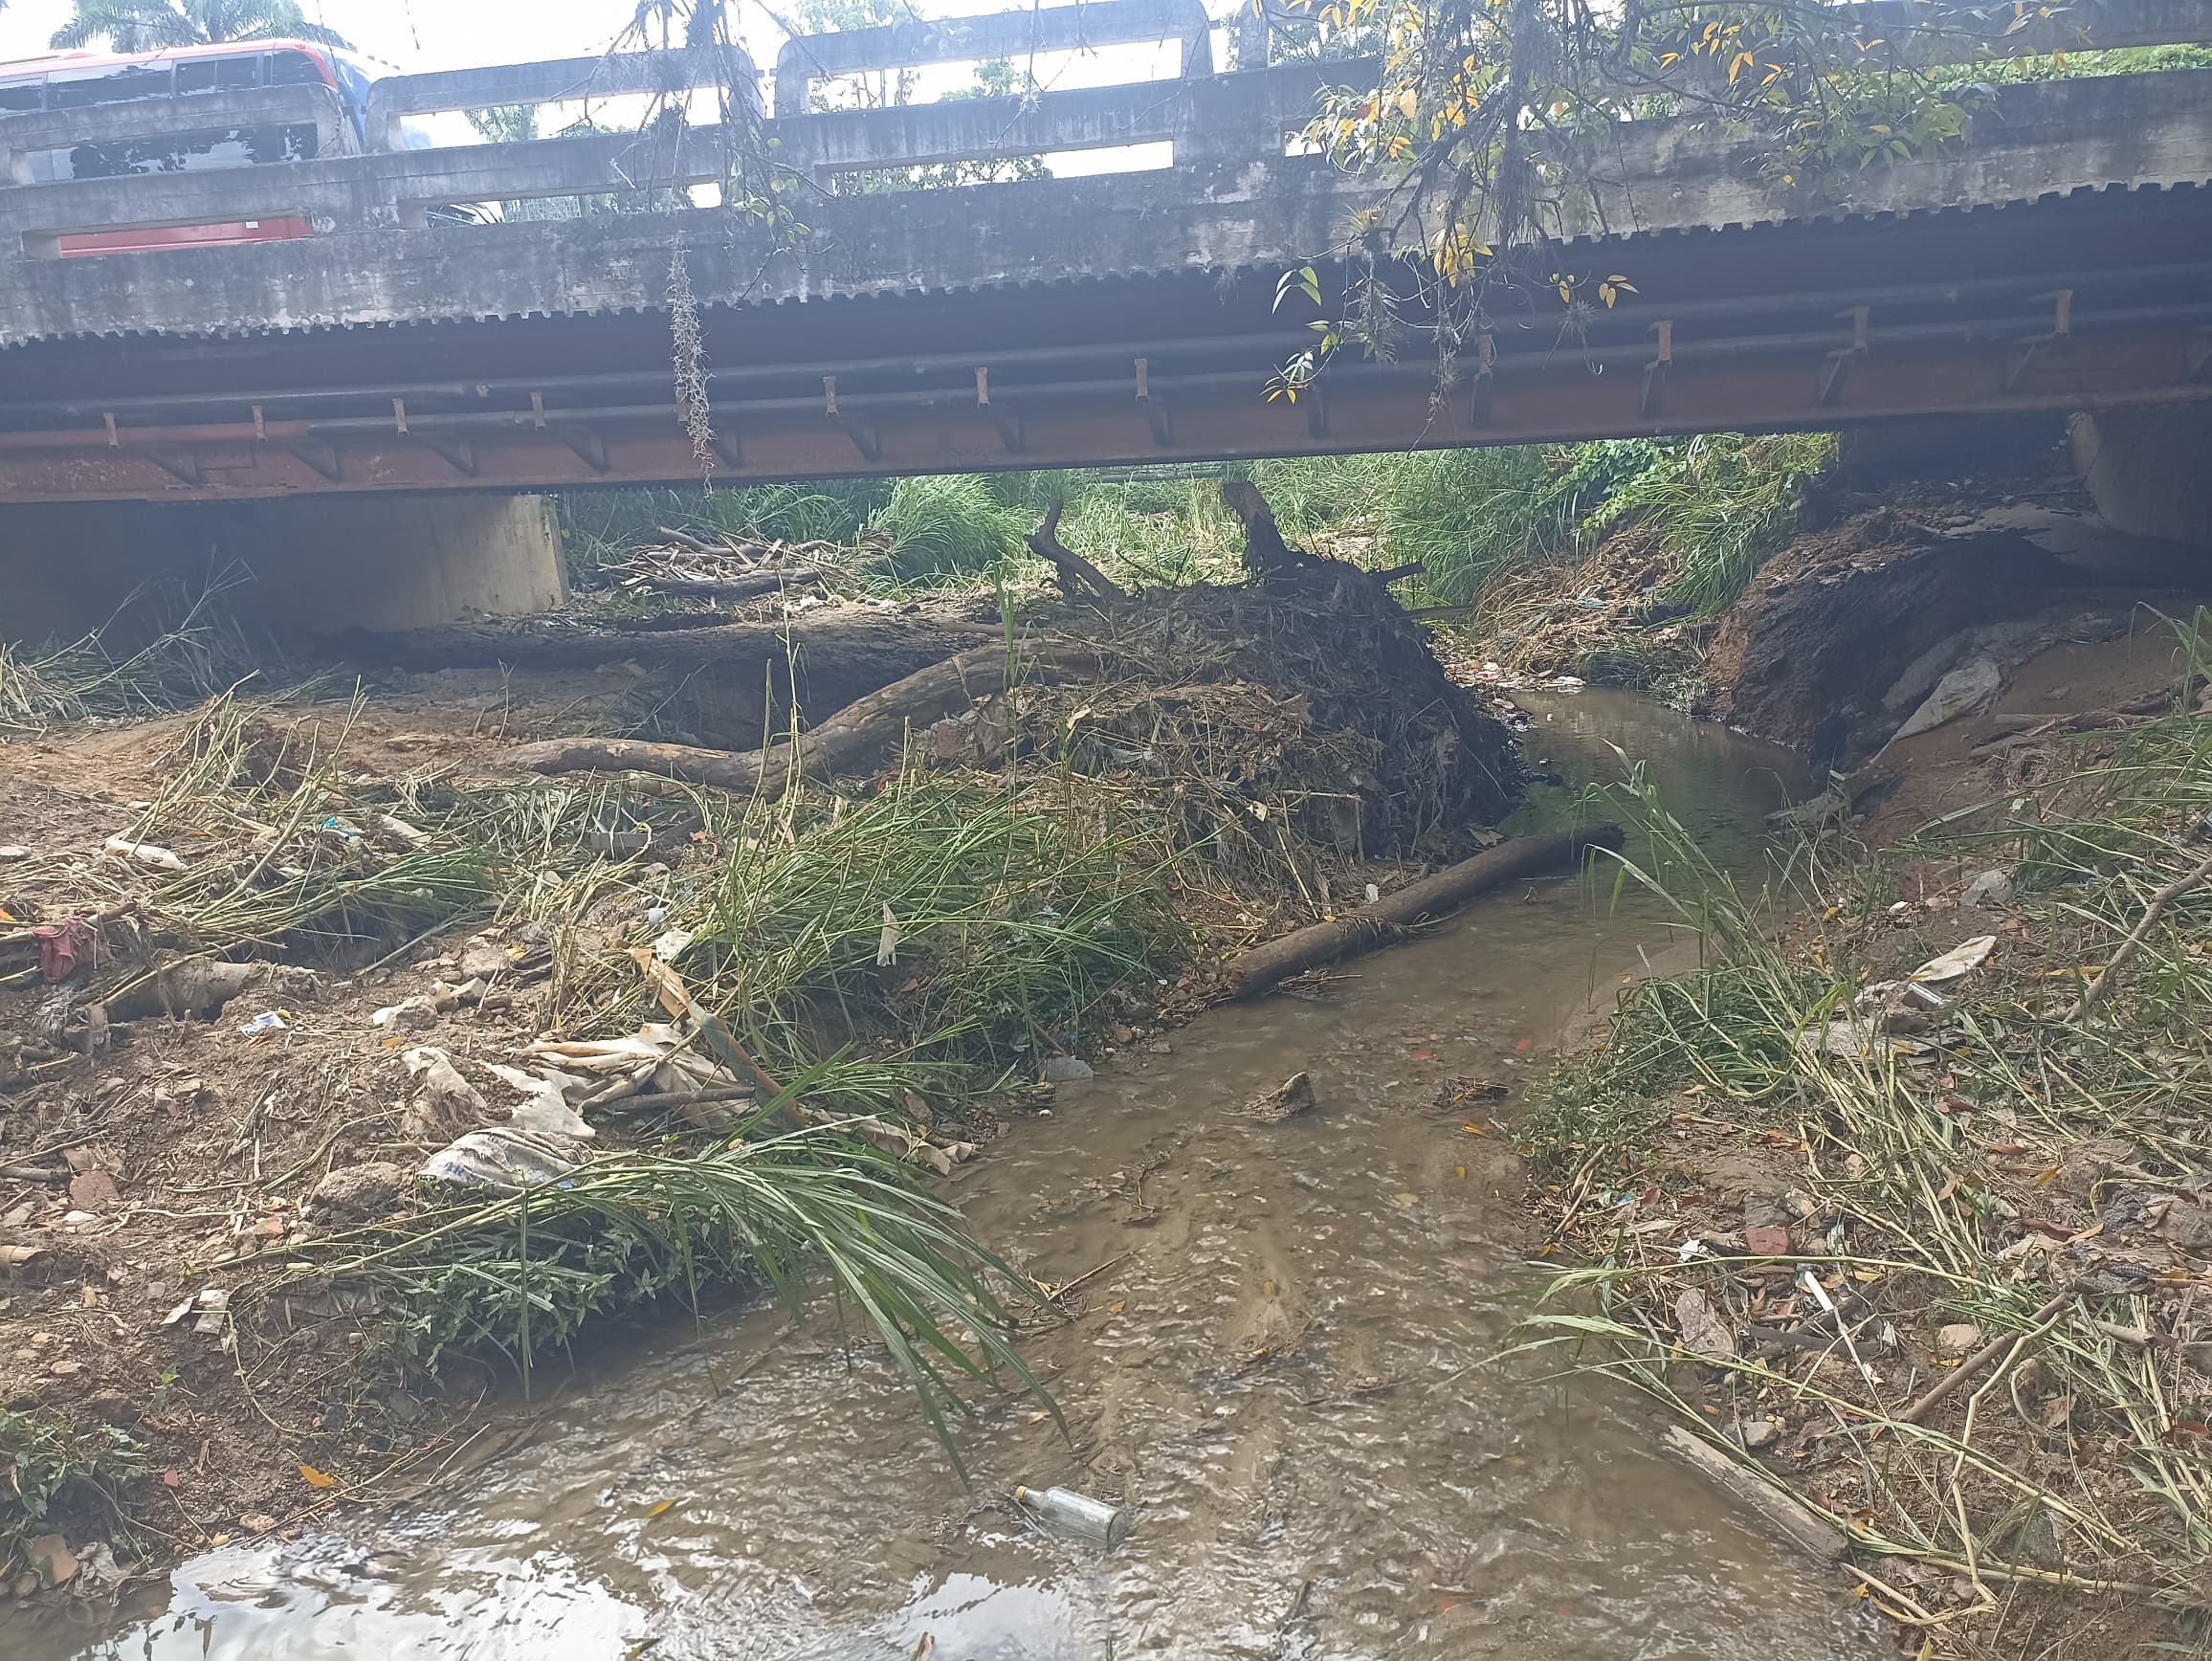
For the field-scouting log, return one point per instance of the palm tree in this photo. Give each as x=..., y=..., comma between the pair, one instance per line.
x=151, y=25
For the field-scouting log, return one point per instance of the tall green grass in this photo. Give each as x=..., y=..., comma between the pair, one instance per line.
x=1722, y=504
x=947, y=527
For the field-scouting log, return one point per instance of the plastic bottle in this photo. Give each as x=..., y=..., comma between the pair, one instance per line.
x=1076, y=1513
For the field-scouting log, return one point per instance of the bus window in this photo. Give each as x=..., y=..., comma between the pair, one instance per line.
x=67, y=90
x=18, y=95
x=219, y=74
x=295, y=69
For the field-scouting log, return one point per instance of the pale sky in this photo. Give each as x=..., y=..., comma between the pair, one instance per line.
x=424, y=35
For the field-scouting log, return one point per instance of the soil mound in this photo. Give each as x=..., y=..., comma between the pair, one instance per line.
x=1832, y=622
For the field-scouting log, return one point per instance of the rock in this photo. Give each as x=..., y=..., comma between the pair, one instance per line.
x=359, y=1193
x=258, y=1522
x=51, y=1560
x=112, y=1407
x=1766, y=1241
x=94, y=1191
x=1762, y=1212
x=1758, y=1433
x=13, y=852
x=409, y=1015
x=1288, y=1100
x=1964, y=690
x=1704, y=1333
x=1066, y=1070
x=2187, y=1226
x=481, y=959
x=1992, y=888
x=1960, y=1338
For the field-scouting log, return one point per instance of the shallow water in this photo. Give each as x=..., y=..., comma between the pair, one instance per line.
x=1276, y=1365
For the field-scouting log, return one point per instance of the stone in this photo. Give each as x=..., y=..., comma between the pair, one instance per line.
x=94, y=1191
x=1758, y=1433
x=1704, y=1334
x=1768, y=1241
x=1992, y=888
x=359, y=1193
x=1763, y=1210
x=258, y=1522
x=1294, y=1096
x=52, y=1560
x=1969, y=687
x=1960, y=1338
x=2187, y=1226
x=481, y=959
x=1066, y=1070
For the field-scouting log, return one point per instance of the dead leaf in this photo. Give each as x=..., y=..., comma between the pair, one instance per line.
x=315, y=1478
x=662, y=1509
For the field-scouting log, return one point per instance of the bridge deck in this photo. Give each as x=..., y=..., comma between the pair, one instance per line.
x=1118, y=318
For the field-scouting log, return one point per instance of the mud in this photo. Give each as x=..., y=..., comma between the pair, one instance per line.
x=1274, y=1355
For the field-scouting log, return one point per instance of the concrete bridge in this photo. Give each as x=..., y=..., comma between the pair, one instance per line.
x=2058, y=259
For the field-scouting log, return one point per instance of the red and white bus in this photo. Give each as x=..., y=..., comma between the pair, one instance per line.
x=79, y=80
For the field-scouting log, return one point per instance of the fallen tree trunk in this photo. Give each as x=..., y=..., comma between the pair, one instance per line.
x=857, y=734
x=1263, y=966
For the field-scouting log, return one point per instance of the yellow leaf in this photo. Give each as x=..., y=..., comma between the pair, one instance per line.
x=1408, y=102
x=660, y=1510
x=1473, y=1129
x=1669, y=57
x=1117, y=1306
x=315, y=1478
x=1460, y=1171
x=1566, y=290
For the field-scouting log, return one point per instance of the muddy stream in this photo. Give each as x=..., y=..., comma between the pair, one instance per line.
x=1361, y=1489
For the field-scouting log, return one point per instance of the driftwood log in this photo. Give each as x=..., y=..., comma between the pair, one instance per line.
x=856, y=736
x=1264, y=966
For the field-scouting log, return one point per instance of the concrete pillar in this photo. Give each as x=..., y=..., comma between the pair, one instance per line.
x=313, y=564
x=2150, y=470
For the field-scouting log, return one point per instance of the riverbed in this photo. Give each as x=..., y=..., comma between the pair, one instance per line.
x=1280, y=1356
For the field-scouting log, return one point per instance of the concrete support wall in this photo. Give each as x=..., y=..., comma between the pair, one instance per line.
x=318, y=565
x=2150, y=470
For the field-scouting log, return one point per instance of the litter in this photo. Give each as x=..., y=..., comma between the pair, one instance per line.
x=1962, y=959
x=144, y=853
x=501, y=1160
x=1077, y=1515
x=268, y=1021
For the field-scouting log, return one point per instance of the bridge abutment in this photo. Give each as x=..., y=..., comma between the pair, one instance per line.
x=2150, y=468
x=316, y=565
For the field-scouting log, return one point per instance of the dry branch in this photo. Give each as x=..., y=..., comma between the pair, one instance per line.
x=1255, y=971
x=857, y=734
x=2156, y=909
x=1076, y=573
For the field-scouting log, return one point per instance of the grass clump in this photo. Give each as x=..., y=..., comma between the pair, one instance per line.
x=1721, y=504
x=523, y=1275
x=49, y=1466
x=166, y=646
x=947, y=527
x=951, y=926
